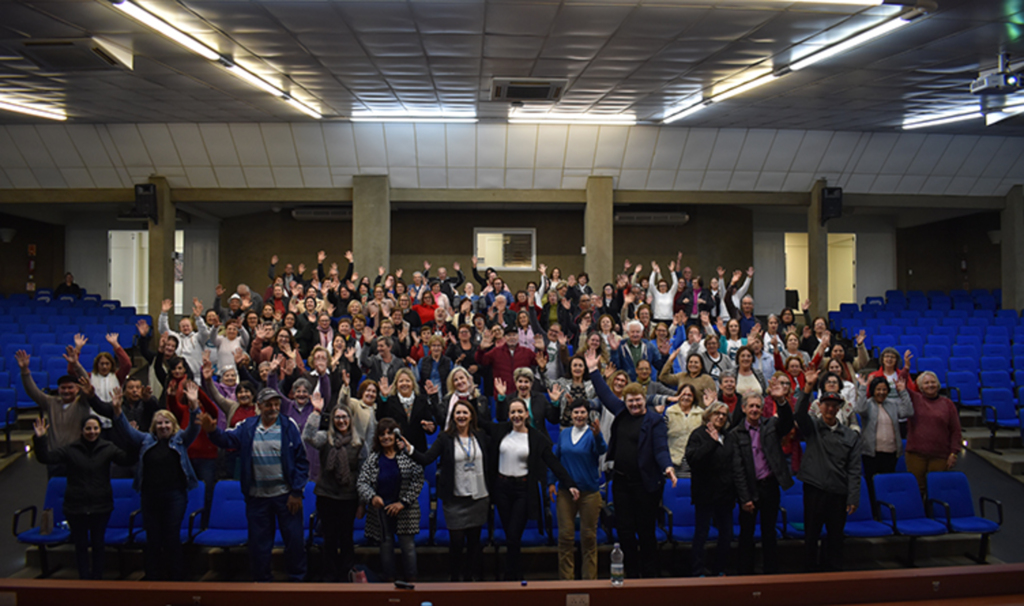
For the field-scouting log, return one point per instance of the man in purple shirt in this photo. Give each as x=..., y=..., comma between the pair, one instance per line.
x=760, y=471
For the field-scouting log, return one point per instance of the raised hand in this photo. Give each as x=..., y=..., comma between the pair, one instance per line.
x=273, y=260
x=720, y=271
x=709, y=397
x=143, y=327
x=750, y=272
x=86, y=386
x=473, y=260
x=736, y=275
x=166, y=305
x=671, y=266
x=116, y=400
x=71, y=354
x=614, y=340
x=219, y=291
x=320, y=256
x=860, y=337
x=80, y=341
x=806, y=305
x=192, y=393
x=348, y=255
x=430, y=388
x=24, y=358
x=385, y=385
x=112, y=339
x=301, y=268
x=590, y=357
x=907, y=357
x=147, y=392
x=901, y=384
x=775, y=389
x=555, y=393
x=40, y=425
x=426, y=265
x=317, y=401
x=398, y=274
x=810, y=378
x=500, y=387
x=208, y=423
x=456, y=266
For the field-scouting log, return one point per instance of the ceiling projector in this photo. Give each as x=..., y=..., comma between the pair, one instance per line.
x=998, y=82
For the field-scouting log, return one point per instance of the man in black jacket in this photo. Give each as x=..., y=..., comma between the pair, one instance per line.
x=759, y=470
x=830, y=470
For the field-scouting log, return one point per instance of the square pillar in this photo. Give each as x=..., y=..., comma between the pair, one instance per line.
x=817, y=254
x=161, y=249
x=1012, y=234
x=598, y=230
x=371, y=222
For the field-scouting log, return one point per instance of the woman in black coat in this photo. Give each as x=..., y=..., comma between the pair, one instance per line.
x=88, y=499
x=709, y=455
x=523, y=456
x=409, y=408
x=463, y=485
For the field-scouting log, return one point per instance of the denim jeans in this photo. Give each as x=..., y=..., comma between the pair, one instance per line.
x=407, y=542
x=264, y=513
x=206, y=472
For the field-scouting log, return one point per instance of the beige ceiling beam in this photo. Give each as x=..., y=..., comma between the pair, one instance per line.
x=711, y=197
x=554, y=196
x=917, y=201
x=311, y=195
x=66, y=196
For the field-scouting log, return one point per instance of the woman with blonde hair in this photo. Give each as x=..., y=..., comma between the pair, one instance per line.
x=460, y=386
x=404, y=403
x=163, y=477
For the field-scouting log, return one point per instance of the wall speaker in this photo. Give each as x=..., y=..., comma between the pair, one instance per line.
x=145, y=201
x=831, y=203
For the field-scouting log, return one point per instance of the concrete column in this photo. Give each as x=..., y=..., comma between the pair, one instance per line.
x=817, y=254
x=371, y=222
x=161, y=249
x=598, y=229
x=1012, y=233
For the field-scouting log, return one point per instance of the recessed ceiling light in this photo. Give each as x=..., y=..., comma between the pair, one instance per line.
x=33, y=110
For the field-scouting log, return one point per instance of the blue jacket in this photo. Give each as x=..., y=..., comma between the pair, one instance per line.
x=294, y=464
x=179, y=442
x=653, y=456
x=622, y=359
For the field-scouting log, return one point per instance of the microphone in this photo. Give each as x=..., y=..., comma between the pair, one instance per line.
x=397, y=433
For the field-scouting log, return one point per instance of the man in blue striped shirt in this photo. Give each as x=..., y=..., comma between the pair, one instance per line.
x=274, y=471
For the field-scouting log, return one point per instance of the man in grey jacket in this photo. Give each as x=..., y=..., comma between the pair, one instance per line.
x=830, y=471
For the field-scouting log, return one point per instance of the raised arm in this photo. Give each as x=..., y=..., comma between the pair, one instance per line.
x=604, y=393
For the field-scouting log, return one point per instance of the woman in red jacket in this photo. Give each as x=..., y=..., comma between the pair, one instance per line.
x=426, y=308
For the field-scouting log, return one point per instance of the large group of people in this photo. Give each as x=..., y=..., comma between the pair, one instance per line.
x=557, y=391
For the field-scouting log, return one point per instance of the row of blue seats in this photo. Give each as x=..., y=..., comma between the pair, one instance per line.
x=956, y=292
x=1007, y=326
x=901, y=512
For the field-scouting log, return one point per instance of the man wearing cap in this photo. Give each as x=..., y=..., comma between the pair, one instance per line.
x=759, y=471
x=500, y=350
x=274, y=471
x=830, y=471
x=67, y=410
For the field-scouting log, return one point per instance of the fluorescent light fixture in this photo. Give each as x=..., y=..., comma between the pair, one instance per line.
x=842, y=47
x=739, y=90
x=255, y=80
x=143, y=16
x=304, y=108
x=420, y=117
x=689, y=111
x=940, y=119
x=570, y=119
x=849, y=2
x=32, y=110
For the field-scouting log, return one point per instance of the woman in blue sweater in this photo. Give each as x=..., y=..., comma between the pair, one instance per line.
x=579, y=448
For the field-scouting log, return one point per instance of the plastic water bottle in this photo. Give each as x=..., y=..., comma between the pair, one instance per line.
x=618, y=568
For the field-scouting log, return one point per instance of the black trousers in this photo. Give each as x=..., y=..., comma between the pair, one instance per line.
x=767, y=506
x=87, y=531
x=882, y=462
x=337, y=519
x=510, y=498
x=823, y=508
x=704, y=513
x=636, y=514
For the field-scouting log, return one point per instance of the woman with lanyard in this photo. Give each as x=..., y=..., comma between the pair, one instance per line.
x=524, y=456
x=462, y=485
x=341, y=453
x=579, y=448
x=389, y=485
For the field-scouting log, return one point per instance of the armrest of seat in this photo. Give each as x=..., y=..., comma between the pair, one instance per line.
x=998, y=504
x=995, y=414
x=312, y=530
x=191, y=523
x=945, y=506
x=665, y=521
x=892, y=514
x=131, y=525
x=785, y=522
x=17, y=517
x=959, y=403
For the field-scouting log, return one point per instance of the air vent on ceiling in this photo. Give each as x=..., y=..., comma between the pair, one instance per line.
x=641, y=218
x=322, y=213
x=527, y=89
x=73, y=54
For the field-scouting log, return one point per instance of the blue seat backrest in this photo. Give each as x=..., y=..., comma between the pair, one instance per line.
x=901, y=491
x=228, y=508
x=55, y=498
x=951, y=487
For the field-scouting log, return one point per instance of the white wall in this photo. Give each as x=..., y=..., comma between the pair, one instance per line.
x=769, y=271
x=202, y=260
x=876, y=263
